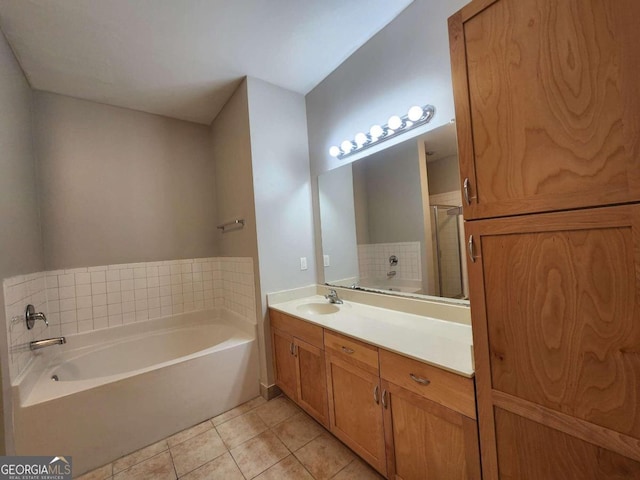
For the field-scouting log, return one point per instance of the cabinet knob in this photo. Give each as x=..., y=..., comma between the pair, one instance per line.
x=420, y=380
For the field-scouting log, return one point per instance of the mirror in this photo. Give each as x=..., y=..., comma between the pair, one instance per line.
x=392, y=221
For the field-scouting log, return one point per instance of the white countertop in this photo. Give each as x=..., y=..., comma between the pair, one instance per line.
x=441, y=343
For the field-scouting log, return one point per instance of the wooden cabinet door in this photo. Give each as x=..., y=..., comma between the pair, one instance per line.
x=426, y=441
x=285, y=363
x=547, y=104
x=311, y=380
x=355, y=412
x=556, y=322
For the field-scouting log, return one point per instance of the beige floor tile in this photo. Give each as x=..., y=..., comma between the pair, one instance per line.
x=159, y=467
x=137, y=457
x=99, y=473
x=277, y=410
x=189, y=433
x=358, y=470
x=239, y=410
x=197, y=451
x=261, y=452
x=240, y=429
x=288, y=469
x=324, y=457
x=297, y=431
x=222, y=468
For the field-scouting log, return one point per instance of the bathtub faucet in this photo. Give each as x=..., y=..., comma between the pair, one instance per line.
x=47, y=342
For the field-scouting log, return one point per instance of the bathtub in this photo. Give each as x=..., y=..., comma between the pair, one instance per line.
x=123, y=388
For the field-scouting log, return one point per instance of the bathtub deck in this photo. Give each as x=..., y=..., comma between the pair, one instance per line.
x=259, y=439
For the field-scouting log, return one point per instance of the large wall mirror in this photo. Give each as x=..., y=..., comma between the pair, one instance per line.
x=392, y=221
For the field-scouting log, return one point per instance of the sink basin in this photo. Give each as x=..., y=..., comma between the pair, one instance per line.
x=318, y=308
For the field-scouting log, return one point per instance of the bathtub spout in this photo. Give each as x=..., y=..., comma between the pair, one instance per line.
x=47, y=342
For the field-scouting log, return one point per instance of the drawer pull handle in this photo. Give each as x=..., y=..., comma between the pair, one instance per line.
x=348, y=350
x=384, y=399
x=465, y=189
x=420, y=380
x=472, y=255
x=375, y=394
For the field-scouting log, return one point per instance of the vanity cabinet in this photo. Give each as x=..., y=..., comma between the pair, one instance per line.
x=429, y=421
x=355, y=409
x=299, y=363
x=407, y=419
x=547, y=104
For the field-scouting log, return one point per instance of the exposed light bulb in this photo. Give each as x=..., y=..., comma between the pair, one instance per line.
x=361, y=139
x=415, y=113
x=395, y=122
x=346, y=146
x=376, y=132
x=334, y=151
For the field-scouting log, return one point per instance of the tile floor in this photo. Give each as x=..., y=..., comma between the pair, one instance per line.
x=272, y=440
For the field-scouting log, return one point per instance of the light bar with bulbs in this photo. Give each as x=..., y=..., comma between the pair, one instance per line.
x=379, y=133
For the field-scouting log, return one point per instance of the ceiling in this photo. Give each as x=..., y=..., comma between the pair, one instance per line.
x=184, y=58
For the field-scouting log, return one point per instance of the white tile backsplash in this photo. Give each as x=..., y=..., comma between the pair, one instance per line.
x=373, y=260
x=84, y=299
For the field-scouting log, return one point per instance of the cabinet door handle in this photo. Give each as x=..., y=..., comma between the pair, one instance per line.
x=376, y=398
x=348, y=350
x=420, y=380
x=384, y=399
x=295, y=350
x=291, y=348
x=470, y=249
x=466, y=186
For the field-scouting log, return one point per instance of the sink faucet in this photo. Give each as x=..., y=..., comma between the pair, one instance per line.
x=47, y=342
x=332, y=296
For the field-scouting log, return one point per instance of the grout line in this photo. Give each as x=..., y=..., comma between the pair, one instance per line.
x=173, y=464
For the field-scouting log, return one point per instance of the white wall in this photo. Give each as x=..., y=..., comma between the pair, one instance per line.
x=20, y=233
x=404, y=64
x=338, y=218
x=120, y=186
x=282, y=195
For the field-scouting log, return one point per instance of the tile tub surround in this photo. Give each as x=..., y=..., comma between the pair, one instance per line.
x=84, y=299
x=262, y=440
x=373, y=260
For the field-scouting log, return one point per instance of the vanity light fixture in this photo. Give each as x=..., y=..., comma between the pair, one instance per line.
x=379, y=133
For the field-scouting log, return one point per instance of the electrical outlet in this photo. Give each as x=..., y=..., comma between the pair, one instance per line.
x=303, y=263
x=327, y=261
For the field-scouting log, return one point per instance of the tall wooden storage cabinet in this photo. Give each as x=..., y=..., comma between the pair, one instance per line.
x=547, y=99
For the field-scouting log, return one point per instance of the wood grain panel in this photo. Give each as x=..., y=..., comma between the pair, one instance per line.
x=302, y=329
x=429, y=441
x=355, y=416
x=599, y=436
x=352, y=350
x=312, y=380
x=554, y=104
x=446, y=388
x=563, y=333
x=530, y=451
x=284, y=363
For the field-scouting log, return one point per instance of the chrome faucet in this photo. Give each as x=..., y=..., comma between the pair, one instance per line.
x=47, y=342
x=332, y=296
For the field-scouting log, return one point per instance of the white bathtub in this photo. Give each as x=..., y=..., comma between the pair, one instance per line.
x=123, y=388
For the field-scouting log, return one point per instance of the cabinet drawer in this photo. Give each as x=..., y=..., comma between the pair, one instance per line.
x=298, y=328
x=351, y=349
x=445, y=388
